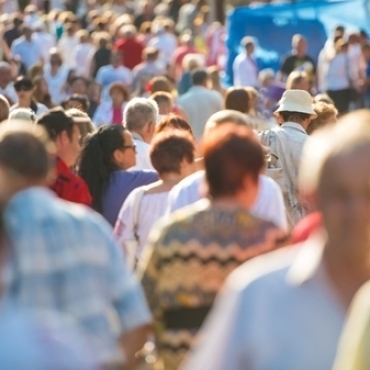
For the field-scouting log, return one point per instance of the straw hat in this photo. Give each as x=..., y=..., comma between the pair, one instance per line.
x=296, y=101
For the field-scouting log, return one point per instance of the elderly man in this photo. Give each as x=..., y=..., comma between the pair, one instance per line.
x=140, y=117
x=64, y=257
x=286, y=310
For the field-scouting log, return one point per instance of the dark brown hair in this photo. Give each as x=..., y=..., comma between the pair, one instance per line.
x=169, y=149
x=121, y=88
x=172, y=121
x=237, y=98
x=161, y=97
x=231, y=152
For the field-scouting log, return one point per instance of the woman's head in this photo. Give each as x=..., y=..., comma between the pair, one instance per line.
x=24, y=88
x=172, y=122
x=41, y=88
x=326, y=114
x=173, y=152
x=237, y=98
x=108, y=149
x=298, y=81
x=118, y=94
x=35, y=71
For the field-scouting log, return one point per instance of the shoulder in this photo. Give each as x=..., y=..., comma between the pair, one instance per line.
x=239, y=58
x=268, y=185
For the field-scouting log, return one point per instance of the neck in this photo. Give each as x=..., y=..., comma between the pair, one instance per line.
x=171, y=178
x=24, y=103
x=235, y=201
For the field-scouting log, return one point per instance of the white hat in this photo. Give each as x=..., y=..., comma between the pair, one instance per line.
x=296, y=101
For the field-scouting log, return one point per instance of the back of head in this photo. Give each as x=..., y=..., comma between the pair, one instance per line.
x=23, y=114
x=199, y=77
x=171, y=122
x=159, y=83
x=96, y=161
x=224, y=117
x=231, y=152
x=326, y=114
x=83, y=121
x=55, y=121
x=139, y=112
x=169, y=149
x=4, y=108
x=26, y=151
x=237, y=98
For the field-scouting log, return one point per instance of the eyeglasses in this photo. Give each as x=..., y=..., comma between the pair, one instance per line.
x=22, y=88
x=133, y=147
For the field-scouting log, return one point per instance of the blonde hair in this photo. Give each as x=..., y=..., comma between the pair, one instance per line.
x=324, y=112
x=294, y=79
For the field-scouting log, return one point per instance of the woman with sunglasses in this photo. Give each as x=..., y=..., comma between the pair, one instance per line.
x=25, y=90
x=106, y=156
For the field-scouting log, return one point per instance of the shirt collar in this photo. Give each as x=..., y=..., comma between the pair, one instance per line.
x=295, y=126
x=308, y=263
x=137, y=136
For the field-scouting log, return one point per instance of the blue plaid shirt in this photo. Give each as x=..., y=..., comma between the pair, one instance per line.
x=66, y=260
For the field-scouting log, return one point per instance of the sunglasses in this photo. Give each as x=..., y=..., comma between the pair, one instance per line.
x=23, y=88
x=133, y=147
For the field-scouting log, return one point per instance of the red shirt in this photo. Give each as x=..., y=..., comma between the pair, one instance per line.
x=306, y=227
x=131, y=50
x=117, y=116
x=69, y=186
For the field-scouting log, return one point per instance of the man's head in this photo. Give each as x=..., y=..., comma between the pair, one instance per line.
x=4, y=108
x=55, y=57
x=248, y=44
x=233, y=160
x=150, y=54
x=140, y=116
x=296, y=106
x=299, y=45
x=79, y=85
x=335, y=173
x=27, y=32
x=164, y=101
x=116, y=58
x=64, y=132
x=26, y=158
x=128, y=31
x=5, y=74
x=200, y=77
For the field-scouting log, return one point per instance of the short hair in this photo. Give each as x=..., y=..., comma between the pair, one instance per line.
x=121, y=88
x=296, y=38
x=83, y=101
x=323, y=98
x=192, y=61
x=26, y=150
x=247, y=41
x=294, y=79
x=169, y=149
x=162, y=97
x=139, y=112
x=225, y=116
x=324, y=111
x=159, y=83
x=83, y=122
x=79, y=78
x=231, y=152
x=199, y=76
x=4, y=108
x=172, y=121
x=237, y=98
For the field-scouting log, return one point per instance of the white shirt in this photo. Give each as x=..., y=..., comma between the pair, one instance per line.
x=143, y=161
x=10, y=93
x=151, y=208
x=166, y=43
x=82, y=56
x=200, y=104
x=108, y=75
x=245, y=71
x=337, y=73
x=56, y=82
x=9, y=6
x=269, y=204
x=104, y=113
x=66, y=45
x=276, y=312
x=45, y=41
x=41, y=108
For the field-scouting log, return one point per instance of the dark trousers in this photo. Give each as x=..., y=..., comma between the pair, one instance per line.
x=341, y=98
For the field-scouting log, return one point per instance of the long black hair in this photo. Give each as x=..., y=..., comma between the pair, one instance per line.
x=96, y=160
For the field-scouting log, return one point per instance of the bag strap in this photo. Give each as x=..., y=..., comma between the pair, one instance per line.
x=138, y=198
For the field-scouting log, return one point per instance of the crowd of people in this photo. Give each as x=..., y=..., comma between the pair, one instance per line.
x=154, y=218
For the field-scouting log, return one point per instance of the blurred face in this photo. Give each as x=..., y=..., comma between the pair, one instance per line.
x=126, y=157
x=69, y=148
x=5, y=76
x=79, y=87
x=165, y=108
x=55, y=60
x=24, y=94
x=117, y=97
x=116, y=59
x=301, y=47
x=303, y=84
x=344, y=200
x=44, y=87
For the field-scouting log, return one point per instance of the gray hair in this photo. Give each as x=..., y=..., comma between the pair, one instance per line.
x=139, y=112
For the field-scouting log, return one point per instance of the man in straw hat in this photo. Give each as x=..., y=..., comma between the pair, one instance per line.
x=286, y=142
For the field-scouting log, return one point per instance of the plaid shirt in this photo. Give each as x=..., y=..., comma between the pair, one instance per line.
x=65, y=260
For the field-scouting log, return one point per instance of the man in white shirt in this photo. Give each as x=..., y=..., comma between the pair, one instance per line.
x=45, y=40
x=245, y=66
x=67, y=43
x=115, y=72
x=6, y=85
x=269, y=204
x=200, y=103
x=286, y=310
x=140, y=117
x=83, y=53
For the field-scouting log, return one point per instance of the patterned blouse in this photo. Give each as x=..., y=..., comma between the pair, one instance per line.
x=186, y=263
